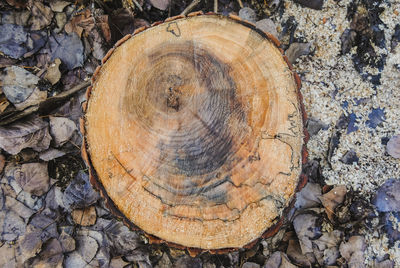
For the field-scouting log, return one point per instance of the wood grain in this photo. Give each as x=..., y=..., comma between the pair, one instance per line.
x=194, y=128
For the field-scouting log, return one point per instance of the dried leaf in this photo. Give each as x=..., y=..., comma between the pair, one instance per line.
x=353, y=251
x=12, y=40
x=160, y=4
x=85, y=216
x=393, y=146
x=12, y=227
x=41, y=16
x=35, y=98
x=33, y=178
x=387, y=198
x=296, y=50
x=53, y=74
x=307, y=228
x=80, y=193
x=118, y=262
x=50, y=256
x=32, y=133
x=58, y=6
x=87, y=248
x=30, y=244
x=80, y=22
x=8, y=256
x=308, y=196
x=68, y=48
x=51, y=154
x=102, y=23
x=2, y=162
x=62, y=129
x=3, y=103
x=121, y=238
x=18, y=84
x=67, y=242
x=332, y=199
x=18, y=3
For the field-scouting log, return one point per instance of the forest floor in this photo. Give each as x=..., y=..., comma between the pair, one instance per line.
x=347, y=54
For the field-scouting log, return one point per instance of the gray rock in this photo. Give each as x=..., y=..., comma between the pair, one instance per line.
x=18, y=84
x=12, y=40
x=248, y=14
x=80, y=193
x=296, y=50
x=387, y=197
x=267, y=25
x=68, y=48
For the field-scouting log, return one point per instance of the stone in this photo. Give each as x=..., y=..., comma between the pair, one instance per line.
x=267, y=25
x=248, y=14
x=392, y=147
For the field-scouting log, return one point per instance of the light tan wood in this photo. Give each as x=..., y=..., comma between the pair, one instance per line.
x=195, y=131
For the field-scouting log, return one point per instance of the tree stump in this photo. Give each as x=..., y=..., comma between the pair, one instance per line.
x=194, y=131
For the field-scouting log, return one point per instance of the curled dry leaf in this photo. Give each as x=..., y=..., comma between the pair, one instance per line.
x=84, y=216
x=33, y=178
x=393, y=146
x=79, y=23
x=308, y=196
x=121, y=238
x=61, y=129
x=36, y=97
x=332, y=199
x=31, y=133
x=41, y=16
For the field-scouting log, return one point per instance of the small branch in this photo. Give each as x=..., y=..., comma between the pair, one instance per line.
x=240, y=3
x=215, y=6
x=190, y=7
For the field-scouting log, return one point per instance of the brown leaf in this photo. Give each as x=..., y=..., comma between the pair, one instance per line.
x=41, y=16
x=2, y=162
x=80, y=22
x=62, y=129
x=32, y=133
x=18, y=3
x=50, y=256
x=102, y=23
x=332, y=199
x=85, y=216
x=33, y=178
x=3, y=103
x=53, y=74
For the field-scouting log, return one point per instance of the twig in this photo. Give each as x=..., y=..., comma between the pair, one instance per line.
x=190, y=7
x=240, y=3
x=215, y=6
x=43, y=107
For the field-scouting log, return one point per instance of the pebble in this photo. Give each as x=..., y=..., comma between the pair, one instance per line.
x=248, y=14
x=392, y=147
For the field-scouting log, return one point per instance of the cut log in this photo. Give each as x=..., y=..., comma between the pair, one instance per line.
x=194, y=132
